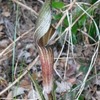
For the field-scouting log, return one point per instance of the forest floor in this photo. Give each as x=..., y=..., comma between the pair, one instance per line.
x=22, y=54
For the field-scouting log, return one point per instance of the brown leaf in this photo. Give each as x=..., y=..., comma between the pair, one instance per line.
x=44, y=40
x=6, y=14
x=46, y=57
x=10, y=96
x=26, y=83
x=1, y=27
x=1, y=34
x=72, y=80
x=98, y=95
x=4, y=43
x=71, y=68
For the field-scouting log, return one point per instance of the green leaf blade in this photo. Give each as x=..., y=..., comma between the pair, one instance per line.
x=58, y=5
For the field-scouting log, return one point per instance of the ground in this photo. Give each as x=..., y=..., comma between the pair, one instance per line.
x=20, y=58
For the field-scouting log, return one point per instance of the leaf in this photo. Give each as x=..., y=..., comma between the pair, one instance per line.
x=81, y=97
x=43, y=21
x=33, y=95
x=44, y=40
x=74, y=38
x=54, y=91
x=10, y=96
x=63, y=86
x=1, y=27
x=18, y=91
x=98, y=94
x=84, y=69
x=45, y=31
x=82, y=20
x=91, y=30
x=74, y=28
x=6, y=14
x=58, y=16
x=57, y=5
x=46, y=57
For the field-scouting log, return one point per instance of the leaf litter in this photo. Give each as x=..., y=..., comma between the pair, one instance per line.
x=26, y=51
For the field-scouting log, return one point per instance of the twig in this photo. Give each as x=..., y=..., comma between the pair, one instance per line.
x=1, y=54
x=25, y=6
x=87, y=35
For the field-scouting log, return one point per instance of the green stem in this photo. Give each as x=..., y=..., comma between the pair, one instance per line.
x=14, y=46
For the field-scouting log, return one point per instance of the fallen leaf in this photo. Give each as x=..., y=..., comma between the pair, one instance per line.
x=71, y=80
x=98, y=95
x=10, y=96
x=63, y=86
x=4, y=43
x=18, y=91
x=46, y=58
x=72, y=68
x=25, y=84
x=33, y=95
x=1, y=27
x=1, y=34
x=6, y=14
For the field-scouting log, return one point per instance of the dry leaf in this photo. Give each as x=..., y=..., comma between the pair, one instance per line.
x=10, y=96
x=25, y=84
x=4, y=43
x=98, y=95
x=18, y=91
x=3, y=83
x=71, y=68
x=1, y=34
x=33, y=95
x=1, y=27
x=63, y=86
x=71, y=80
x=6, y=14
x=46, y=58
